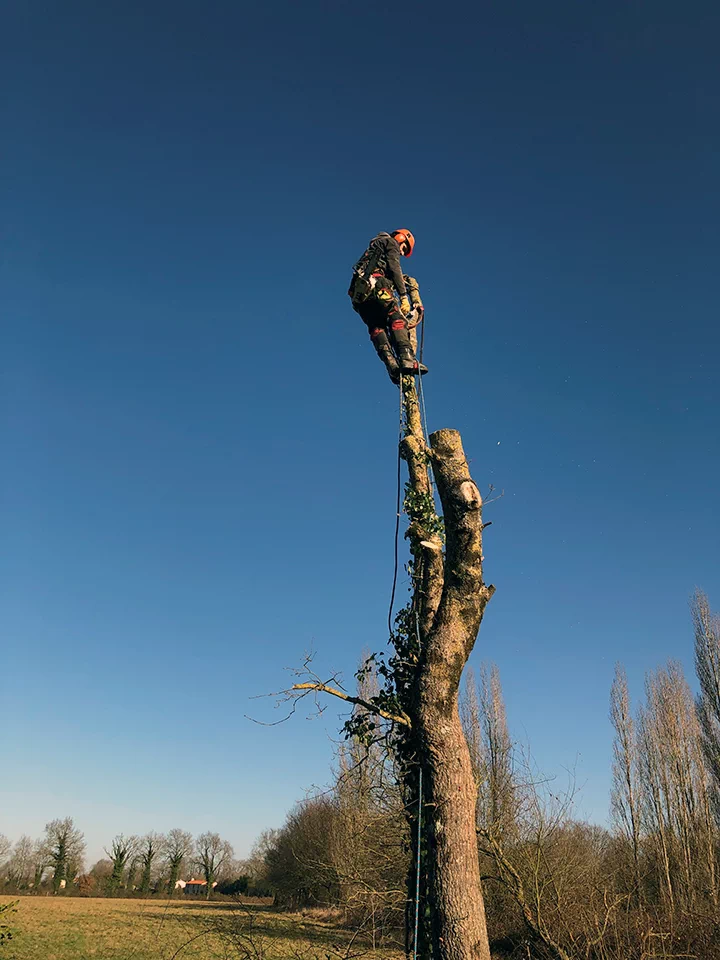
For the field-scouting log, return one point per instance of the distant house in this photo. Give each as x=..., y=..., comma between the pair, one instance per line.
x=193, y=886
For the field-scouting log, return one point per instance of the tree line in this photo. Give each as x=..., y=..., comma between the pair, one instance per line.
x=555, y=886
x=140, y=866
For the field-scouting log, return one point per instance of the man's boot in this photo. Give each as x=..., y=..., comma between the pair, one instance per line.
x=384, y=351
x=408, y=363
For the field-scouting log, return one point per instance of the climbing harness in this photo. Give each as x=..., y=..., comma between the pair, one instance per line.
x=362, y=283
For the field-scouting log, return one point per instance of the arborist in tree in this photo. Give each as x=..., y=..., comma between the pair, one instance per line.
x=382, y=296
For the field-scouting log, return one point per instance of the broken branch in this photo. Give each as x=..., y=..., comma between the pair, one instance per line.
x=358, y=701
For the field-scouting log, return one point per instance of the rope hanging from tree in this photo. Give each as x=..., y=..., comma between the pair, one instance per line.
x=423, y=413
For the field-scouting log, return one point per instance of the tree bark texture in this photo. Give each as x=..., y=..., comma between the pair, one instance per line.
x=449, y=600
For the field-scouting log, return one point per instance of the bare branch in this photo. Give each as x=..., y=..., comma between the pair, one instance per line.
x=358, y=701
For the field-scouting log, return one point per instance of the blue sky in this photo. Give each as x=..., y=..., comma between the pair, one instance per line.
x=199, y=443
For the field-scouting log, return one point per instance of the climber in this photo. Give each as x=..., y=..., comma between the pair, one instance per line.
x=377, y=278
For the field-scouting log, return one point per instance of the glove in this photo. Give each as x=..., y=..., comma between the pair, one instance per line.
x=405, y=304
x=415, y=318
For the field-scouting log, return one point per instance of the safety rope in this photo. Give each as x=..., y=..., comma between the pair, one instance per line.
x=417, y=864
x=397, y=518
x=419, y=831
x=417, y=630
x=426, y=437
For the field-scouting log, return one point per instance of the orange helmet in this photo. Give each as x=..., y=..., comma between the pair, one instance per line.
x=404, y=236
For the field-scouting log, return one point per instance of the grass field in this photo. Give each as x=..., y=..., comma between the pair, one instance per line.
x=77, y=928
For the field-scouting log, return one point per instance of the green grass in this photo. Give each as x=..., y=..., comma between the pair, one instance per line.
x=77, y=928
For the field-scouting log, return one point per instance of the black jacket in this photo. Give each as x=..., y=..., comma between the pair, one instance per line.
x=387, y=250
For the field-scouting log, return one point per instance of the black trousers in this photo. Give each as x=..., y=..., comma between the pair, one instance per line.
x=381, y=312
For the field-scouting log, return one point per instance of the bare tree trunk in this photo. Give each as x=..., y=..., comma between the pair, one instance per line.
x=436, y=634
x=457, y=919
x=449, y=601
x=624, y=795
x=499, y=794
x=678, y=782
x=707, y=666
x=654, y=810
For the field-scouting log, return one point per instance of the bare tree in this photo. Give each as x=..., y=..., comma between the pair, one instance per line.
x=19, y=867
x=653, y=807
x=300, y=863
x=707, y=666
x=676, y=804
x=256, y=865
x=178, y=847
x=492, y=754
x=346, y=846
x=211, y=854
x=5, y=851
x=498, y=804
x=624, y=798
x=433, y=639
x=41, y=861
x=66, y=849
x=472, y=726
x=555, y=869
x=367, y=836
x=5, y=848
x=121, y=852
x=101, y=871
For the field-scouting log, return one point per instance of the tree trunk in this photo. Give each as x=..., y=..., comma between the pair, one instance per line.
x=448, y=602
x=58, y=875
x=434, y=637
x=173, y=878
x=145, y=880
